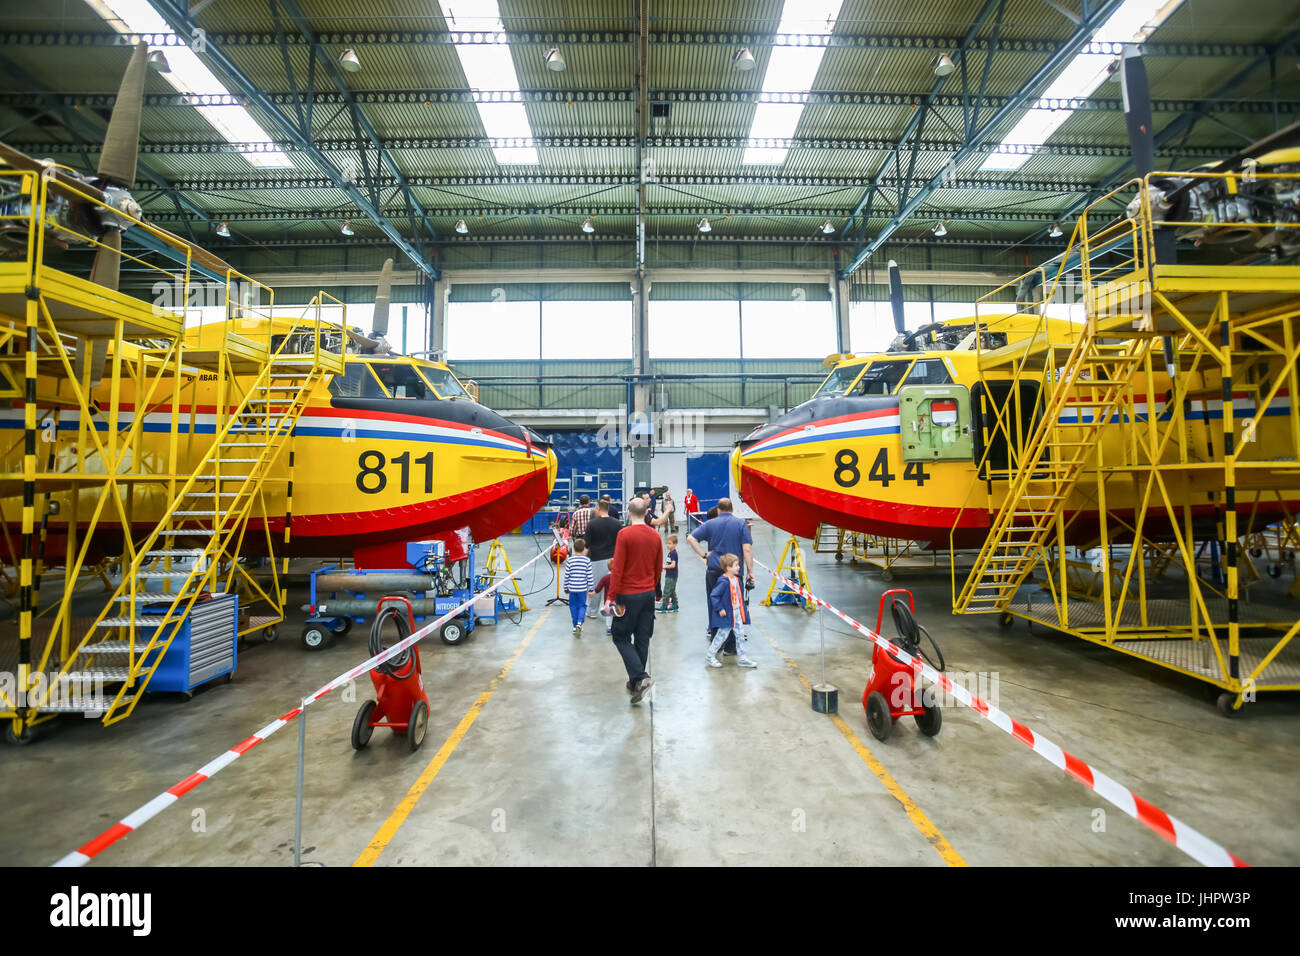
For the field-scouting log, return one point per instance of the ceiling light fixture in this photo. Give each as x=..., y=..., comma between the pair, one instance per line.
x=703, y=225
x=349, y=61
x=158, y=62
x=587, y=225
x=827, y=227
x=347, y=228
x=942, y=64
x=743, y=60
x=1055, y=231
x=461, y=227
x=939, y=229
x=223, y=229
x=554, y=59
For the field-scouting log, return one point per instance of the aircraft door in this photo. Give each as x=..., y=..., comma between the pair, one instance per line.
x=935, y=423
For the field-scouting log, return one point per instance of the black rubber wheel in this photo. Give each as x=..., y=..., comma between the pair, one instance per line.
x=931, y=718
x=878, y=719
x=226, y=679
x=453, y=632
x=314, y=636
x=839, y=555
x=1227, y=704
x=361, y=729
x=1275, y=570
x=1256, y=552
x=344, y=627
x=418, y=725
x=1006, y=619
x=886, y=574
x=269, y=634
x=19, y=740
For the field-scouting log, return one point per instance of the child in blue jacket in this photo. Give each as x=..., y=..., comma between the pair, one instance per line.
x=728, y=613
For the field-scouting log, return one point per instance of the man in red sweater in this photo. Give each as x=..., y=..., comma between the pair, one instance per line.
x=635, y=586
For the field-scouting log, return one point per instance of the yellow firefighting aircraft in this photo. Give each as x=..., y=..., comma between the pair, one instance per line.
x=891, y=444
x=392, y=450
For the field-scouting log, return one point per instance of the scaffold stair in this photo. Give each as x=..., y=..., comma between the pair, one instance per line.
x=1091, y=388
x=214, y=505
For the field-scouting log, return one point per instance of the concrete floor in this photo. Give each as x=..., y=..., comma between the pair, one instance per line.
x=725, y=767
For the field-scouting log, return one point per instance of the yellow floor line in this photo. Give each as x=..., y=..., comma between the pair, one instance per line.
x=914, y=813
x=386, y=832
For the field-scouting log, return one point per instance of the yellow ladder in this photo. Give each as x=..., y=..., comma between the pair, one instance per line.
x=497, y=567
x=790, y=566
x=1090, y=389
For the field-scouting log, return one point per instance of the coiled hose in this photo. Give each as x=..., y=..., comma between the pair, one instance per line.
x=398, y=662
x=909, y=634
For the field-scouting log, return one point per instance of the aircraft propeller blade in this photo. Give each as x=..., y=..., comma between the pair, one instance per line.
x=117, y=159
x=1137, y=109
x=17, y=160
x=896, y=296
x=383, y=296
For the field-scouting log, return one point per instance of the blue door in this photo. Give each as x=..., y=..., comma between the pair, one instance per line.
x=708, y=477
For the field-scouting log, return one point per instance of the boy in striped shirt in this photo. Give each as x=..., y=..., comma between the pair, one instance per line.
x=579, y=582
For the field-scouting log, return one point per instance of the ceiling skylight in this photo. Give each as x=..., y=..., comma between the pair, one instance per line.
x=1133, y=22
x=490, y=66
x=190, y=76
x=789, y=68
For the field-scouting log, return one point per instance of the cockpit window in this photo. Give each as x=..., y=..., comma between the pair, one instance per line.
x=443, y=382
x=379, y=380
x=839, y=379
x=394, y=380
x=931, y=371
x=881, y=378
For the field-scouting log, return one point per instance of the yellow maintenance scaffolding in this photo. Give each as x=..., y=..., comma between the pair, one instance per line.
x=1161, y=431
x=146, y=461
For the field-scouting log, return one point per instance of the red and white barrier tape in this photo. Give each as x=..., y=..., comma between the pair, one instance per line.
x=1195, y=844
x=165, y=799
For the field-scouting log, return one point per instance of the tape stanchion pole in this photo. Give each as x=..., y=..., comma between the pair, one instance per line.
x=133, y=821
x=297, y=816
x=1192, y=842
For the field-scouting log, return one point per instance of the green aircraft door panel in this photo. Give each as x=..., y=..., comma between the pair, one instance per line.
x=935, y=423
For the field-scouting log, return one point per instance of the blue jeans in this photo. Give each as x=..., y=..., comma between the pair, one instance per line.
x=578, y=606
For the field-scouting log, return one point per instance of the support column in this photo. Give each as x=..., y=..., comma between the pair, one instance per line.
x=843, y=291
x=642, y=407
x=438, y=316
